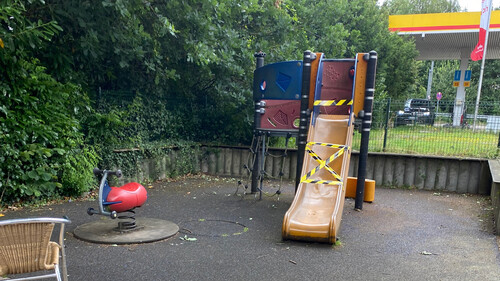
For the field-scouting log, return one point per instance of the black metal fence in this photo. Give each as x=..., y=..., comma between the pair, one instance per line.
x=434, y=128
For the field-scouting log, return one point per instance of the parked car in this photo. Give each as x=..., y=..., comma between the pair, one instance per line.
x=416, y=111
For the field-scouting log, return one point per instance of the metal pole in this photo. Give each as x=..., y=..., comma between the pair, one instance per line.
x=482, y=67
x=259, y=57
x=304, y=113
x=429, y=81
x=262, y=165
x=365, y=126
x=388, y=111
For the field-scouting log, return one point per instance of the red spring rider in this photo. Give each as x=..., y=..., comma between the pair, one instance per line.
x=119, y=202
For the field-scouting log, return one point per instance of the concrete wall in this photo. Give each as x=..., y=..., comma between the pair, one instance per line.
x=422, y=172
x=396, y=170
x=495, y=191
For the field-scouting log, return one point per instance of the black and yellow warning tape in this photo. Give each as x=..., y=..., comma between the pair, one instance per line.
x=324, y=164
x=323, y=182
x=326, y=144
x=332, y=102
x=319, y=167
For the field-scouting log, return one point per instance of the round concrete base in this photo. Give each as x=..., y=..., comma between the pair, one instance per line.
x=104, y=231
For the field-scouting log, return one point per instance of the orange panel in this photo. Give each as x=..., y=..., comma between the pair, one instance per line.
x=359, y=87
x=352, y=183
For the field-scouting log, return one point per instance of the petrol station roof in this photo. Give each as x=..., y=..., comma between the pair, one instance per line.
x=447, y=36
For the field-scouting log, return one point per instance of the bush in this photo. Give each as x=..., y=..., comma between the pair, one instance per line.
x=43, y=153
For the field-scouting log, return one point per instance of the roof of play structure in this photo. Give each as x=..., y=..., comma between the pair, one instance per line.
x=447, y=35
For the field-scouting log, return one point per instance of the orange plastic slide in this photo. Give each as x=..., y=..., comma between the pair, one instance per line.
x=316, y=212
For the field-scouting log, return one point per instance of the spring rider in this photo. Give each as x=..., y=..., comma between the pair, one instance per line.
x=120, y=203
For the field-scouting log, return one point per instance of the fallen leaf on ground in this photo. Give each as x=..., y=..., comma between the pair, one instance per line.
x=186, y=238
x=425, y=253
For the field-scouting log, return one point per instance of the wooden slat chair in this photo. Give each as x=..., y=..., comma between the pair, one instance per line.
x=25, y=247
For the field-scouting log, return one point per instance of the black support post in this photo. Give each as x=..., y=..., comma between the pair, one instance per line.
x=304, y=113
x=259, y=57
x=365, y=127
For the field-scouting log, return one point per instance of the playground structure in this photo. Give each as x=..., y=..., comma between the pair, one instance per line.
x=315, y=100
x=120, y=203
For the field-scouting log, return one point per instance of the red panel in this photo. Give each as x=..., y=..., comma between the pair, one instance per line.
x=336, y=85
x=280, y=115
x=130, y=195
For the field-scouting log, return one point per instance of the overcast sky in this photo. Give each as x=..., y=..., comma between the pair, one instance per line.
x=472, y=5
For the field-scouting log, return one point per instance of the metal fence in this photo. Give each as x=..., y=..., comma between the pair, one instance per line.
x=435, y=128
x=442, y=130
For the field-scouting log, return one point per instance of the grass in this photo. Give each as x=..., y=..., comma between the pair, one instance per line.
x=425, y=140
x=429, y=140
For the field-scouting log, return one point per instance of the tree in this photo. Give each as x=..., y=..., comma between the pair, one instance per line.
x=400, y=7
x=368, y=27
x=42, y=151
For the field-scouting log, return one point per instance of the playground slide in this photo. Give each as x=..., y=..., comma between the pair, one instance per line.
x=316, y=212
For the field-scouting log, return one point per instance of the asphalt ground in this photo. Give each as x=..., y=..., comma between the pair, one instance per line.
x=402, y=235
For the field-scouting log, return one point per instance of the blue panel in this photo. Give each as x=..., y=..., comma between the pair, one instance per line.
x=278, y=81
x=283, y=81
x=467, y=75
x=317, y=89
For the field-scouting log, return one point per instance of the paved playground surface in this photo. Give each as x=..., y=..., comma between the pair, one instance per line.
x=403, y=235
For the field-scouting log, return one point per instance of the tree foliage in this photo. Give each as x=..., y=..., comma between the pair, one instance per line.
x=42, y=151
x=399, y=7
x=189, y=63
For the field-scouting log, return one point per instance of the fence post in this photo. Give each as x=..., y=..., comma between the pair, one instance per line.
x=388, y=111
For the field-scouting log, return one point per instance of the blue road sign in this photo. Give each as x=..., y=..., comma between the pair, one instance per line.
x=457, y=75
x=467, y=75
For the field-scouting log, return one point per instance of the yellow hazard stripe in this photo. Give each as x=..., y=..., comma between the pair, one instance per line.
x=322, y=182
x=332, y=102
x=319, y=167
x=323, y=164
x=326, y=144
x=329, y=160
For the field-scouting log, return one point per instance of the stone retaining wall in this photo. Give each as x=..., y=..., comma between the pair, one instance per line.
x=495, y=191
x=397, y=170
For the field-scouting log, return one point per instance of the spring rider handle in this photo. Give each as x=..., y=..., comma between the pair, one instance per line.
x=104, y=187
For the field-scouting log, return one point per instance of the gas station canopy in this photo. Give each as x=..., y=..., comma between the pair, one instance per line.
x=447, y=36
